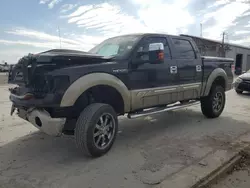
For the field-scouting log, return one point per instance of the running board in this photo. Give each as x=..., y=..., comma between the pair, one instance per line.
x=160, y=110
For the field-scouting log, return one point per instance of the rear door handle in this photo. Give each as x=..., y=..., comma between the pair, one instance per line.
x=173, y=69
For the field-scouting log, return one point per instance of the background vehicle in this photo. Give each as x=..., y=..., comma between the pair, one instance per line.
x=4, y=67
x=242, y=83
x=82, y=93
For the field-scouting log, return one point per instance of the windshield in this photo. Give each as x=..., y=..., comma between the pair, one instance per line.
x=117, y=46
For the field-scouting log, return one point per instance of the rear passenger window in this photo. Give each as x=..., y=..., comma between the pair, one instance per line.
x=184, y=48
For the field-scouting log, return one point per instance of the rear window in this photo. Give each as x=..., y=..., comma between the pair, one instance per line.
x=184, y=49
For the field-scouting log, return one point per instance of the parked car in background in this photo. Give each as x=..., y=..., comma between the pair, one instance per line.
x=4, y=67
x=242, y=83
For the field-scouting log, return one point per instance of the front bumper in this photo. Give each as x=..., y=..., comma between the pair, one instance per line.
x=42, y=120
x=50, y=100
x=243, y=85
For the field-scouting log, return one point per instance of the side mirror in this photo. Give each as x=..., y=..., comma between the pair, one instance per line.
x=153, y=55
x=156, y=53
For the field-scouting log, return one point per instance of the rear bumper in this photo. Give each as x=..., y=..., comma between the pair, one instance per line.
x=42, y=120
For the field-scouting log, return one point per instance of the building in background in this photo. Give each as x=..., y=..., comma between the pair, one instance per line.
x=240, y=54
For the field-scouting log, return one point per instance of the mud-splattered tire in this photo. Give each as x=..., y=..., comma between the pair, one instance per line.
x=238, y=91
x=96, y=129
x=213, y=105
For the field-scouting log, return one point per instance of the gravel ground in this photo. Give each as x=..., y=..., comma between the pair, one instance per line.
x=238, y=178
x=146, y=151
x=3, y=78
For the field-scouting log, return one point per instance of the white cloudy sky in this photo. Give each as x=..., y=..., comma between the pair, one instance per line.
x=30, y=26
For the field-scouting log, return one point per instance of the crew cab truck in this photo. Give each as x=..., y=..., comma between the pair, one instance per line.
x=82, y=93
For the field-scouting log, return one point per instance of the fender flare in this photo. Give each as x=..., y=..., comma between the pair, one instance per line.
x=218, y=72
x=94, y=79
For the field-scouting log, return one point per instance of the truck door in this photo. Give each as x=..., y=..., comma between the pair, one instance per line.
x=185, y=57
x=149, y=75
x=189, y=66
x=152, y=84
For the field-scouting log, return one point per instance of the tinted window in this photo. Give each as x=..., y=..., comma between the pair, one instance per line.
x=184, y=48
x=143, y=47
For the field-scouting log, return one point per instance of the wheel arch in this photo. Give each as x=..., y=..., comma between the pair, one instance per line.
x=92, y=80
x=218, y=76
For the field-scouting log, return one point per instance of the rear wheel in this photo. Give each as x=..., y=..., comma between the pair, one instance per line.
x=213, y=104
x=238, y=91
x=96, y=129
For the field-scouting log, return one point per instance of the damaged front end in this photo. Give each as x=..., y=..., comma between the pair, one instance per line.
x=42, y=80
x=35, y=84
x=37, y=93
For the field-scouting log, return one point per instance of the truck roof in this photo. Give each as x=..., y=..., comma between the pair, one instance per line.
x=153, y=34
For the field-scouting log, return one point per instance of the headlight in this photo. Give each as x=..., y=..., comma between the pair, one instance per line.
x=59, y=83
x=238, y=80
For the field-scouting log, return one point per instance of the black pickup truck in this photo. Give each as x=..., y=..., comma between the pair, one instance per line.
x=83, y=93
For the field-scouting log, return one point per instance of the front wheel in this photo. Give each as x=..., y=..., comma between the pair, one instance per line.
x=238, y=91
x=213, y=104
x=96, y=129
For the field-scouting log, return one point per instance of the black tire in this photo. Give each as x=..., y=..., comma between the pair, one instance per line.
x=86, y=125
x=238, y=91
x=208, y=106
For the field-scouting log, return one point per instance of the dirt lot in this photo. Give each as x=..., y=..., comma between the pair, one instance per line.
x=238, y=178
x=146, y=151
x=3, y=78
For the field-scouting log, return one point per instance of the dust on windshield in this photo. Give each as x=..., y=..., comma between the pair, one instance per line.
x=117, y=46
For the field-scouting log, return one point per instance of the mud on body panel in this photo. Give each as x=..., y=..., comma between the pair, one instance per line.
x=164, y=95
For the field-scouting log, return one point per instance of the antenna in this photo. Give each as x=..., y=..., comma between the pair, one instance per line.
x=59, y=35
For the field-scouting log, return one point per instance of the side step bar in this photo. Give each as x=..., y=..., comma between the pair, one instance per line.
x=161, y=109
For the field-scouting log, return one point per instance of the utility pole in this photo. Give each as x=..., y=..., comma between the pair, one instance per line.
x=201, y=28
x=223, y=38
x=223, y=43
x=59, y=35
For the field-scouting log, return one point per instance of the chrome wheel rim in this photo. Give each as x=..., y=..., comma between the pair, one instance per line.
x=104, y=131
x=218, y=101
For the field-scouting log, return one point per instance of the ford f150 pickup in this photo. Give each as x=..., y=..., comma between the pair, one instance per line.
x=82, y=93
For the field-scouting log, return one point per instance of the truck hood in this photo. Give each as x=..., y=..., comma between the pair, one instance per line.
x=69, y=57
x=43, y=62
x=245, y=76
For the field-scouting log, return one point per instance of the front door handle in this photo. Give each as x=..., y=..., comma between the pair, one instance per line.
x=198, y=68
x=173, y=69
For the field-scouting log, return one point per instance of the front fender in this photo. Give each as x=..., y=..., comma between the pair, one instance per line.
x=90, y=80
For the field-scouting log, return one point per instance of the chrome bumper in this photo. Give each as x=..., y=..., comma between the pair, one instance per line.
x=42, y=120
